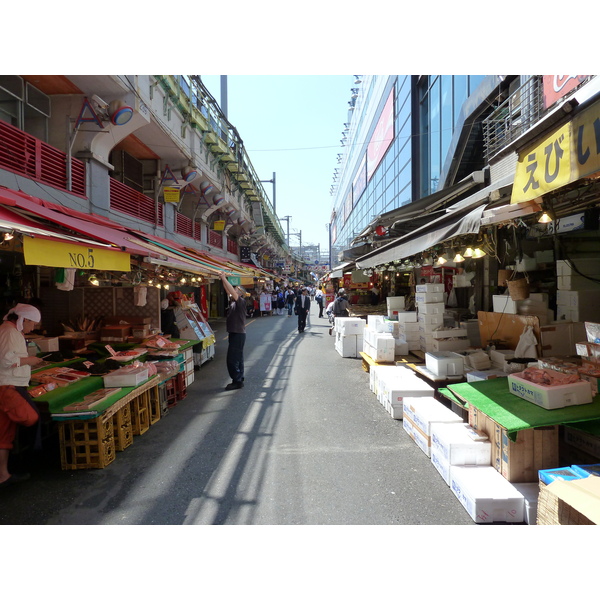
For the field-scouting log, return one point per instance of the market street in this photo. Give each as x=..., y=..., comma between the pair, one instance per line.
x=304, y=442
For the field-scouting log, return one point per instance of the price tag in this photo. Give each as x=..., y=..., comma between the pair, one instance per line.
x=88, y=364
x=110, y=349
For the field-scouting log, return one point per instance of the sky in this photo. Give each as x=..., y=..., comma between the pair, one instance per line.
x=291, y=125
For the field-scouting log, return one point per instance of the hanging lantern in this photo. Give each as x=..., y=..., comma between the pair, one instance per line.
x=380, y=230
x=218, y=199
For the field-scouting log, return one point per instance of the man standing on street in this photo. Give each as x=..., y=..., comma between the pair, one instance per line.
x=302, y=308
x=319, y=298
x=236, y=328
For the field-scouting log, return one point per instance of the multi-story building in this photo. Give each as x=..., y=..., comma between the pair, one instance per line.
x=152, y=153
x=431, y=164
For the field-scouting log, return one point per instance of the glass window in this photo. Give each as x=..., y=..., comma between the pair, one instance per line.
x=460, y=94
x=447, y=124
x=435, y=137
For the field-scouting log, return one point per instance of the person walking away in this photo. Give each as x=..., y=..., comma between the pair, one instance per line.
x=290, y=298
x=319, y=298
x=236, y=328
x=340, y=306
x=302, y=308
x=280, y=302
x=16, y=406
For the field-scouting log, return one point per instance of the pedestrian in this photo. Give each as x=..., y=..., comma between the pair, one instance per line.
x=236, y=328
x=16, y=406
x=280, y=302
x=340, y=307
x=320, y=299
x=302, y=308
x=290, y=299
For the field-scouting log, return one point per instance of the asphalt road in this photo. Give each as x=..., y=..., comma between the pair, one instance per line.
x=304, y=442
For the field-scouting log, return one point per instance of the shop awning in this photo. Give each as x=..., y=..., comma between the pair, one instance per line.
x=339, y=271
x=94, y=226
x=44, y=245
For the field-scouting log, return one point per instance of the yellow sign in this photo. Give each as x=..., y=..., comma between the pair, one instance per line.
x=563, y=156
x=171, y=194
x=50, y=253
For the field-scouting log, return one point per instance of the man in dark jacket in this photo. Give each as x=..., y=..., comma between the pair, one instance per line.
x=302, y=308
x=236, y=328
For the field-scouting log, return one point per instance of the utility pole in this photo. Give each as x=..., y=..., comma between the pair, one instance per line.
x=287, y=220
x=274, y=192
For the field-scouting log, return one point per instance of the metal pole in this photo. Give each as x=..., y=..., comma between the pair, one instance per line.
x=224, y=94
x=274, y=196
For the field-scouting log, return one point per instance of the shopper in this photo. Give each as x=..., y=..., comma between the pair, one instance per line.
x=340, y=306
x=236, y=328
x=302, y=308
x=168, y=321
x=16, y=407
x=320, y=299
x=290, y=299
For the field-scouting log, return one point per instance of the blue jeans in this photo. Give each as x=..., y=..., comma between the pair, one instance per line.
x=290, y=308
x=235, y=356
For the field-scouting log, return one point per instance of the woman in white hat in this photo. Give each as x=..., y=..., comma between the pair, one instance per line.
x=15, y=373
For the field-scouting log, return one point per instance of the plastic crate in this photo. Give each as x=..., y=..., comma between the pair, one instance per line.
x=163, y=399
x=140, y=413
x=180, y=386
x=123, y=428
x=86, y=444
x=171, y=392
x=154, y=405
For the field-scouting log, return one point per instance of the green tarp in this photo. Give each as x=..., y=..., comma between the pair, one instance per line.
x=494, y=399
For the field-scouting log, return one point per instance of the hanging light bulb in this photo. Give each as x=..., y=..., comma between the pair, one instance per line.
x=545, y=218
x=94, y=280
x=458, y=258
x=441, y=260
x=468, y=253
x=478, y=253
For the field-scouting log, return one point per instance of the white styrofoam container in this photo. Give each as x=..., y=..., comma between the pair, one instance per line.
x=550, y=397
x=433, y=321
x=486, y=495
x=405, y=327
x=376, y=373
x=348, y=346
x=126, y=377
x=430, y=287
x=440, y=463
x=428, y=297
x=484, y=375
x=401, y=348
x=458, y=345
x=410, y=336
x=460, y=444
x=349, y=325
x=588, y=266
x=407, y=316
x=445, y=363
x=530, y=492
x=395, y=302
x=47, y=344
x=423, y=411
x=396, y=390
x=455, y=332
x=379, y=354
x=422, y=440
x=505, y=304
x=431, y=308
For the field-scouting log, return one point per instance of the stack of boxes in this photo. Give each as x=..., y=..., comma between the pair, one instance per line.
x=430, y=308
x=349, y=336
x=577, y=298
x=395, y=304
x=455, y=339
x=378, y=339
x=408, y=328
x=392, y=385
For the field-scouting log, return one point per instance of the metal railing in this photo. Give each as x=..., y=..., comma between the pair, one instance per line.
x=26, y=155
x=132, y=202
x=518, y=113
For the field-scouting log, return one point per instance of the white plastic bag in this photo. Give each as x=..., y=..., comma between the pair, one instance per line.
x=527, y=346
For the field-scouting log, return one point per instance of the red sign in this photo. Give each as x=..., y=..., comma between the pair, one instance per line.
x=557, y=86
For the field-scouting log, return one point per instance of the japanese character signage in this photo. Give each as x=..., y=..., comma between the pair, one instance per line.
x=562, y=157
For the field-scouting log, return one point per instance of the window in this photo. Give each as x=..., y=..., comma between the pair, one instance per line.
x=24, y=106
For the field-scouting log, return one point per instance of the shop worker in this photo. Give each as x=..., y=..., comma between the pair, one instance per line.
x=236, y=328
x=16, y=407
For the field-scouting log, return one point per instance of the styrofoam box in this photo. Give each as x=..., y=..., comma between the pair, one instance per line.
x=406, y=327
x=349, y=325
x=410, y=336
x=576, y=282
x=396, y=390
x=348, y=346
x=456, y=332
x=587, y=266
x=407, y=316
x=395, y=302
x=401, y=348
x=428, y=297
x=440, y=463
x=484, y=375
x=486, y=495
x=460, y=444
x=431, y=308
x=445, y=363
x=433, y=321
x=126, y=377
x=422, y=440
x=576, y=298
x=505, y=304
x=47, y=344
x=376, y=373
x=430, y=287
x=380, y=354
x=550, y=397
x=423, y=411
x=457, y=345
x=530, y=492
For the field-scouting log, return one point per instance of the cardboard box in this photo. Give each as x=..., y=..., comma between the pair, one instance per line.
x=582, y=440
x=460, y=444
x=484, y=375
x=560, y=339
x=577, y=502
x=115, y=333
x=550, y=397
x=486, y=495
x=445, y=363
x=521, y=460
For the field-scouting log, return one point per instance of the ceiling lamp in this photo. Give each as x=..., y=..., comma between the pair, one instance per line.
x=545, y=218
x=94, y=280
x=9, y=235
x=441, y=260
x=468, y=253
x=478, y=253
x=458, y=258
